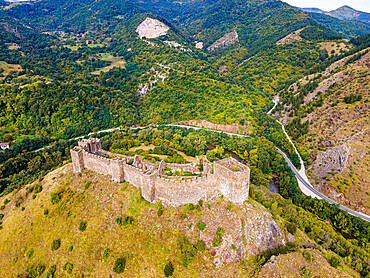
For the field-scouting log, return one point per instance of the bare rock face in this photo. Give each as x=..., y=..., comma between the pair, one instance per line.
x=247, y=230
x=225, y=41
x=233, y=128
x=152, y=28
x=292, y=264
x=333, y=160
x=199, y=45
x=293, y=37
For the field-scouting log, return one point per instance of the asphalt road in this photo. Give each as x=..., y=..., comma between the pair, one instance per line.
x=317, y=194
x=302, y=179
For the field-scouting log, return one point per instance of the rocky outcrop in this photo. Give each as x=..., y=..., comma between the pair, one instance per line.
x=333, y=160
x=248, y=230
x=225, y=41
x=152, y=28
x=293, y=37
x=199, y=45
x=292, y=265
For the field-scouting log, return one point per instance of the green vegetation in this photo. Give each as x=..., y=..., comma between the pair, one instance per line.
x=55, y=244
x=349, y=29
x=201, y=226
x=105, y=254
x=119, y=265
x=60, y=87
x=83, y=225
x=168, y=269
x=68, y=267
x=308, y=256
x=218, y=239
x=352, y=98
x=123, y=221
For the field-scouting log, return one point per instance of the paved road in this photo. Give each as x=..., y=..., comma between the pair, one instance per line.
x=303, y=182
x=80, y=137
x=310, y=191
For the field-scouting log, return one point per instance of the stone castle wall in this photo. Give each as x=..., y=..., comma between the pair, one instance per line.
x=233, y=185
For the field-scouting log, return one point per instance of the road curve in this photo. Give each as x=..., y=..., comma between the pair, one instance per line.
x=307, y=189
x=303, y=182
x=302, y=179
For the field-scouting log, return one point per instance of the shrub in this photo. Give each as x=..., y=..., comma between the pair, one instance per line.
x=228, y=207
x=33, y=196
x=235, y=169
x=160, y=210
x=35, y=271
x=2, y=207
x=23, y=208
x=105, y=254
x=29, y=253
x=55, y=198
x=68, y=267
x=201, y=226
x=191, y=207
x=55, y=244
x=87, y=184
x=305, y=272
x=1, y=216
x=37, y=188
x=334, y=262
x=200, y=203
x=200, y=245
x=218, y=240
x=131, y=161
x=70, y=248
x=6, y=201
x=188, y=251
x=292, y=228
x=124, y=221
x=82, y=226
x=168, y=270
x=119, y=265
x=52, y=269
x=308, y=256
x=46, y=212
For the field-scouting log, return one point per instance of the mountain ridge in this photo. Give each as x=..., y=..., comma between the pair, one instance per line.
x=345, y=13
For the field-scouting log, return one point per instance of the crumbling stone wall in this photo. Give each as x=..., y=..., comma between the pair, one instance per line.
x=228, y=177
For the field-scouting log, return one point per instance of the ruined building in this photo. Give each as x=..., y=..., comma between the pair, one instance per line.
x=156, y=180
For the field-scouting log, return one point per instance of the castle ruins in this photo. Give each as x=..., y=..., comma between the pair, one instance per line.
x=156, y=180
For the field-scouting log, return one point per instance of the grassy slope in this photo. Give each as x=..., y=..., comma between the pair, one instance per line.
x=148, y=244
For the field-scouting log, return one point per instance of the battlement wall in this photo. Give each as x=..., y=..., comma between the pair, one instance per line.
x=229, y=178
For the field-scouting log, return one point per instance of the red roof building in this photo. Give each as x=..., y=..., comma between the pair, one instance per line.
x=4, y=146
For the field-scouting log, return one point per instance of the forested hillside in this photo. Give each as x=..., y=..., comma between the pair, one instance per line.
x=349, y=29
x=328, y=118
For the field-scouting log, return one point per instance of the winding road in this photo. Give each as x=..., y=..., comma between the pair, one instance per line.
x=303, y=182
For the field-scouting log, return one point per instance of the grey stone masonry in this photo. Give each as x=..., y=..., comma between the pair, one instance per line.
x=227, y=177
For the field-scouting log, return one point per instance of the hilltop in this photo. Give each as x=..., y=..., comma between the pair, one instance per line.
x=344, y=12
x=69, y=222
